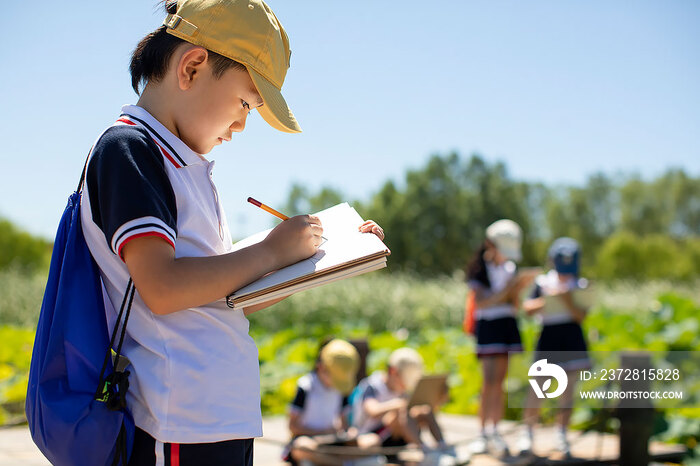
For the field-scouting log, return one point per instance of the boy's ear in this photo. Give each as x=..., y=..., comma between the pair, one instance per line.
x=190, y=65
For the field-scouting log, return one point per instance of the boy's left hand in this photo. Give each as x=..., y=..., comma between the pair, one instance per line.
x=370, y=226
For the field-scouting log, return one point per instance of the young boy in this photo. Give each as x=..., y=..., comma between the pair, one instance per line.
x=318, y=413
x=381, y=403
x=151, y=212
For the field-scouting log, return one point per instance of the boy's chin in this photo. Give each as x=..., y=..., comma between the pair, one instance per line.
x=203, y=149
x=211, y=146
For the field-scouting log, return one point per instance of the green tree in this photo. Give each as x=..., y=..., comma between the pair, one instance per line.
x=22, y=250
x=628, y=256
x=437, y=219
x=644, y=209
x=620, y=257
x=301, y=201
x=684, y=194
x=587, y=214
x=436, y=216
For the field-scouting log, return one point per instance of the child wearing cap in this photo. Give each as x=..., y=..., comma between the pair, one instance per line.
x=560, y=300
x=491, y=275
x=318, y=413
x=153, y=221
x=380, y=403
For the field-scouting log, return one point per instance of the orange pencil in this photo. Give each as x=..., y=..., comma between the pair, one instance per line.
x=267, y=209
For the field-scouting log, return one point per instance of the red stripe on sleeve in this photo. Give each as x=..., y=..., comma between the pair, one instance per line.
x=128, y=122
x=174, y=454
x=141, y=235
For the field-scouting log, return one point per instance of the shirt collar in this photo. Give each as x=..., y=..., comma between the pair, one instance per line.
x=167, y=140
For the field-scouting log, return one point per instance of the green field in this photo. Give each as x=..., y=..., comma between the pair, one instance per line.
x=393, y=310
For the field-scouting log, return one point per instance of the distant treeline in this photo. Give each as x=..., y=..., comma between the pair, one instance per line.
x=628, y=227
x=20, y=250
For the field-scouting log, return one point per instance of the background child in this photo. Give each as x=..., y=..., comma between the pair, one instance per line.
x=151, y=213
x=320, y=406
x=561, y=341
x=380, y=404
x=491, y=274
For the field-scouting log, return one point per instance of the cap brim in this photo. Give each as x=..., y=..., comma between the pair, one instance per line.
x=274, y=110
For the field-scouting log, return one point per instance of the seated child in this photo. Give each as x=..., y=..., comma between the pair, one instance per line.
x=380, y=404
x=317, y=414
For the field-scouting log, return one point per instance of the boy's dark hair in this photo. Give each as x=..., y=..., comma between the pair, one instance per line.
x=151, y=57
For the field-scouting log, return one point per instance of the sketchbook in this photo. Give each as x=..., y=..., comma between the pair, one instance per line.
x=345, y=253
x=430, y=390
x=582, y=297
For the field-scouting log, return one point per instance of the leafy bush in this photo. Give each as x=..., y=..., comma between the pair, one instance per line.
x=21, y=294
x=377, y=302
x=15, y=356
x=628, y=256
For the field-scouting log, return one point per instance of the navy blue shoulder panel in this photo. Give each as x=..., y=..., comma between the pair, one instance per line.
x=127, y=180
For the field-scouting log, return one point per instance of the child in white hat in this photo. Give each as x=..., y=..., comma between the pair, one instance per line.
x=491, y=275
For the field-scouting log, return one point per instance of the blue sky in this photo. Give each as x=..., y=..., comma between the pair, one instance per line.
x=557, y=90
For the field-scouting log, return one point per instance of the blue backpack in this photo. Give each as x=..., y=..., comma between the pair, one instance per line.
x=76, y=404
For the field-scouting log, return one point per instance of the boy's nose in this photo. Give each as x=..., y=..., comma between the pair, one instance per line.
x=239, y=125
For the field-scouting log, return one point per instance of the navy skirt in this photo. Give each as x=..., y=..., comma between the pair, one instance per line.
x=497, y=337
x=564, y=345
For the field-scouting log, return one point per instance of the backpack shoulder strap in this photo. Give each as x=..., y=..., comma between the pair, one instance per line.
x=82, y=177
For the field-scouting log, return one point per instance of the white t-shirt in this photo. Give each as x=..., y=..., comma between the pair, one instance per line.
x=194, y=375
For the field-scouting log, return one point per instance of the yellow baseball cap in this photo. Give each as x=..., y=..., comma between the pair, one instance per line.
x=342, y=361
x=248, y=32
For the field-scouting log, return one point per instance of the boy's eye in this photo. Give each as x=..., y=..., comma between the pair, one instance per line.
x=245, y=105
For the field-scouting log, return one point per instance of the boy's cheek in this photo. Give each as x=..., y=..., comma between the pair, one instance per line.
x=197, y=142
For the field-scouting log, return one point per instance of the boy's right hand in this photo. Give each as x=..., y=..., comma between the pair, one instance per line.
x=295, y=239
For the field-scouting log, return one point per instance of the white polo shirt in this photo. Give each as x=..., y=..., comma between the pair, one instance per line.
x=194, y=375
x=318, y=406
